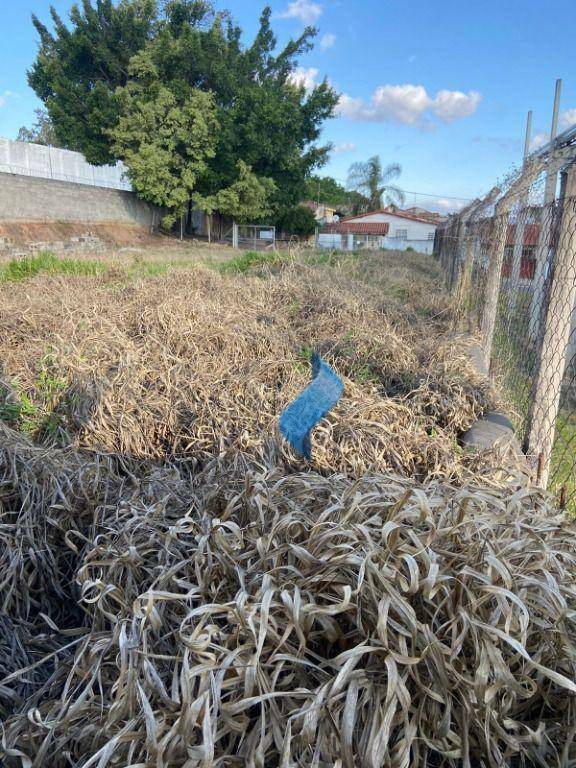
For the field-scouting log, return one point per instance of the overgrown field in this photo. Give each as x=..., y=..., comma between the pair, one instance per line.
x=180, y=589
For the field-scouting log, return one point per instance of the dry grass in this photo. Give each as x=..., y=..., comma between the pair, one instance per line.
x=178, y=589
x=192, y=363
x=248, y=616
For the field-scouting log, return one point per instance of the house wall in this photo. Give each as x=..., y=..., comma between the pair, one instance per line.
x=422, y=246
x=420, y=234
x=332, y=241
x=417, y=230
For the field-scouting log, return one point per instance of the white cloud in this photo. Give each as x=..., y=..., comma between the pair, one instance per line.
x=454, y=105
x=443, y=205
x=308, y=77
x=399, y=103
x=412, y=59
x=539, y=139
x=5, y=96
x=567, y=119
x=345, y=146
x=327, y=41
x=408, y=104
x=350, y=107
x=306, y=11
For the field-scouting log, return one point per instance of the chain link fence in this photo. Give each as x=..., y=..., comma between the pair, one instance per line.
x=510, y=261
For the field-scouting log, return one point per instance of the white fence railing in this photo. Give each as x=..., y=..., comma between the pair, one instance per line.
x=43, y=162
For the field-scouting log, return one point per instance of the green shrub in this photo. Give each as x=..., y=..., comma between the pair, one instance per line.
x=298, y=221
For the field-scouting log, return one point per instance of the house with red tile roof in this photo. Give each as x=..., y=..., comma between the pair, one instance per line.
x=398, y=230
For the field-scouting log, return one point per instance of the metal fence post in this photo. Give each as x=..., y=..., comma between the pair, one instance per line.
x=545, y=224
x=543, y=247
x=555, y=336
x=494, y=279
x=521, y=221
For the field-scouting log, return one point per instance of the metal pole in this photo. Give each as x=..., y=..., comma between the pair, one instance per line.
x=551, y=183
x=528, y=137
x=557, y=94
x=555, y=337
x=521, y=221
x=494, y=280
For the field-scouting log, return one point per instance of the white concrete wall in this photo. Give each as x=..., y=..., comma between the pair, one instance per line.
x=331, y=241
x=25, y=159
x=422, y=246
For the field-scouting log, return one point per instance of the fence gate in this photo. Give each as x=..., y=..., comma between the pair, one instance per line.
x=253, y=237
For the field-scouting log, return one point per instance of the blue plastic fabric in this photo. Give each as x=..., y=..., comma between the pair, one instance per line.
x=302, y=415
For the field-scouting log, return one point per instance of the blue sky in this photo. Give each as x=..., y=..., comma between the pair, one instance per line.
x=442, y=88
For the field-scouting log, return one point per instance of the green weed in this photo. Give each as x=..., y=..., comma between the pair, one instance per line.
x=33, y=413
x=47, y=263
x=249, y=260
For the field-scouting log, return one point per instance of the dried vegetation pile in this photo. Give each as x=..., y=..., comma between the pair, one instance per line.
x=196, y=363
x=179, y=590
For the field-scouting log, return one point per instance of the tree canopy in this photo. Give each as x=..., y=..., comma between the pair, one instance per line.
x=85, y=73
x=327, y=190
x=165, y=142
x=298, y=220
x=79, y=67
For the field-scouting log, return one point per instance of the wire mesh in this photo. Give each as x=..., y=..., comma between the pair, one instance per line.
x=255, y=237
x=510, y=261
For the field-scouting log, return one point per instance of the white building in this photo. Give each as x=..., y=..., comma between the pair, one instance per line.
x=396, y=230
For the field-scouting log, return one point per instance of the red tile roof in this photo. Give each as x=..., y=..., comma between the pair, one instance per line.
x=356, y=228
x=399, y=214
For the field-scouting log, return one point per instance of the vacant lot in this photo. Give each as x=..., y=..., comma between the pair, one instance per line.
x=151, y=356
x=180, y=589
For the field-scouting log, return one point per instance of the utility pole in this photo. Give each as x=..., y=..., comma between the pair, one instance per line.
x=528, y=135
x=521, y=221
x=546, y=217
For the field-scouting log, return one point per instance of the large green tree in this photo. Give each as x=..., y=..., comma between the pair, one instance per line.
x=164, y=139
x=325, y=189
x=79, y=67
x=267, y=120
x=298, y=221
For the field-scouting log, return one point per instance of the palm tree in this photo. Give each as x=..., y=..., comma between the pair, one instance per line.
x=372, y=181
